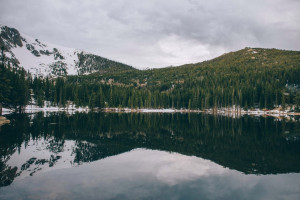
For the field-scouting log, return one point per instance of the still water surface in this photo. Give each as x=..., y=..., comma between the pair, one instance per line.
x=149, y=156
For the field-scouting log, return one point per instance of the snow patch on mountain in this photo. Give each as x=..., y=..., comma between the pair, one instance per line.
x=37, y=57
x=45, y=59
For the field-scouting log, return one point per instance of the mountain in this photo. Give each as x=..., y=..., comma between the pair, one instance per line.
x=248, y=78
x=248, y=64
x=46, y=59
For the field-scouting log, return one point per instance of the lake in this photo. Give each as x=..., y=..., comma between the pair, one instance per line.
x=149, y=156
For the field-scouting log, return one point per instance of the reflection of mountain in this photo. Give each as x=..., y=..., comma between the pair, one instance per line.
x=247, y=144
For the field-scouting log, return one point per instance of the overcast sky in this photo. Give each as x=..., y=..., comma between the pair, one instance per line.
x=157, y=33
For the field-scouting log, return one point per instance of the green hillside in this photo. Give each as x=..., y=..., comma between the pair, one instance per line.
x=88, y=63
x=249, y=77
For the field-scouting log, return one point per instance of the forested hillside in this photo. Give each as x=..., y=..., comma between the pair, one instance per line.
x=249, y=78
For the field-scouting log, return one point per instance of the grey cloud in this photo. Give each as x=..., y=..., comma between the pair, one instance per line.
x=158, y=33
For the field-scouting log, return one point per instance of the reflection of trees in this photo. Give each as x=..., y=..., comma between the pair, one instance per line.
x=11, y=138
x=251, y=145
x=7, y=173
x=56, y=146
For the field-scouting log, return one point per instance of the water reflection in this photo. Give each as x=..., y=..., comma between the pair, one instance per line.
x=41, y=154
x=32, y=144
x=152, y=174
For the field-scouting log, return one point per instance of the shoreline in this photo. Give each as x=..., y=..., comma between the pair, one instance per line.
x=71, y=109
x=255, y=112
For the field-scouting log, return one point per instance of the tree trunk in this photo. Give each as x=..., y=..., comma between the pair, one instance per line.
x=0, y=108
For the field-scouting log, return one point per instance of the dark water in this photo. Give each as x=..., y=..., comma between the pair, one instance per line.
x=149, y=156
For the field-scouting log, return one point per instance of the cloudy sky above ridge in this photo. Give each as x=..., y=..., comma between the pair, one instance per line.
x=156, y=33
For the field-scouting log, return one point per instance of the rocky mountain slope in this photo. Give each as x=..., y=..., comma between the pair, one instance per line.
x=51, y=60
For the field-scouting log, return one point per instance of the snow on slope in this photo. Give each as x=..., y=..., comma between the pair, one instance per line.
x=39, y=64
x=37, y=57
x=47, y=59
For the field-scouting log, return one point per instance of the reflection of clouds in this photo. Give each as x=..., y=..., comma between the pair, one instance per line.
x=152, y=174
x=169, y=168
x=183, y=168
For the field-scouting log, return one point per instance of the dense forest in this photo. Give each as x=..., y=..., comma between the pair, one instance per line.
x=249, y=78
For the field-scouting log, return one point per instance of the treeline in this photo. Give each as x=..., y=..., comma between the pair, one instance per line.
x=190, y=95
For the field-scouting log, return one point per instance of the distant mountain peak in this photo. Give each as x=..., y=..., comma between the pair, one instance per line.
x=44, y=59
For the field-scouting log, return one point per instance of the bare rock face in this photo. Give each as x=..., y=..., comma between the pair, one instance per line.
x=12, y=37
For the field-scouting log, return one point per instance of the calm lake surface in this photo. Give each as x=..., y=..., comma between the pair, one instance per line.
x=149, y=156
